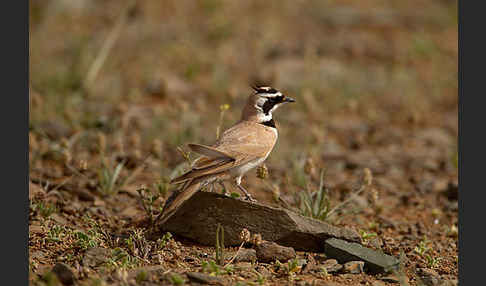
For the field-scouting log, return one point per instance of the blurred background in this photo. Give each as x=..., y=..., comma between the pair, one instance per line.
x=118, y=87
x=155, y=73
x=375, y=82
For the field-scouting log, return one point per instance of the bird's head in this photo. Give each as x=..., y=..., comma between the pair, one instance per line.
x=263, y=102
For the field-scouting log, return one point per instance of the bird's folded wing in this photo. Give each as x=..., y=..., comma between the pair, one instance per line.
x=217, y=166
x=212, y=166
x=204, y=162
x=208, y=151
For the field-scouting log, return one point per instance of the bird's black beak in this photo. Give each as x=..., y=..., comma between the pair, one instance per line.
x=288, y=99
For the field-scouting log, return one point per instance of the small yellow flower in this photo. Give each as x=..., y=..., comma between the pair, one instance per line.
x=224, y=107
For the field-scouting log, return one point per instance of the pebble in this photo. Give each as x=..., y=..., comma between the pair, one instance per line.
x=353, y=267
x=270, y=251
x=429, y=277
x=64, y=273
x=204, y=278
x=96, y=256
x=331, y=265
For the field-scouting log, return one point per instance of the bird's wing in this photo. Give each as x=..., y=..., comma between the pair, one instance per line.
x=211, y=166
x=239, y=145
x=207, y=151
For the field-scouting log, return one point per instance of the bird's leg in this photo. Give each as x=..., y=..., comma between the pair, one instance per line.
x=224, y=189
x=247, y=195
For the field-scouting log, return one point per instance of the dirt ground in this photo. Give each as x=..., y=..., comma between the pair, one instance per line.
x=117, y=87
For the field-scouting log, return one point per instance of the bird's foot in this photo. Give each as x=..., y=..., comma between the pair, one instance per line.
x=250, y=199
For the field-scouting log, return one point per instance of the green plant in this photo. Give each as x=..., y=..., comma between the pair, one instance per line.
x=235, y=195
x=56, y=233
x=367, y=235
x=176, y=279
x=432, y=262
x=44, y=209
x=108, y=177
x=293, y=266
x=213, y=268
x=141, y=276
x=148, y=199
x=137, y=243
x=366, y=182
x=87, y=240
x=315, y=204
x=93, y=237
x=162, y=242
x=122, y=259
x=260, y=279
x=422, y=247
x=220, y=245
x=162, y=187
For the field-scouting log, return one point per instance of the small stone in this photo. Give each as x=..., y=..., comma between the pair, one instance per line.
x=375, y=261
x=245, y=266
x=38, y=255
x=64, y=273
x=204, y=278
x=84, y=195
x=353, y=267
x=35, y=191
x=96, y=256
x=36, y=229
x=378, y=283
x=263, y=271
x=55, y=129
x=395, y=278
x=452, y=282
x=59, y=219
x=270, y=251
x=331, y=265
x=310, y=264
x=245, y=255
x=429, y=277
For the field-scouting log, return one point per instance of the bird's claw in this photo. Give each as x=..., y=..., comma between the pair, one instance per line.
x=250, y=199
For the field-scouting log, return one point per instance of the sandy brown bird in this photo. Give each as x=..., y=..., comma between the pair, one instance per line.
x=242, y=147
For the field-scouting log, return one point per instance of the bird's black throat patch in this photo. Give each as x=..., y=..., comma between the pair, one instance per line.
x=269, y=123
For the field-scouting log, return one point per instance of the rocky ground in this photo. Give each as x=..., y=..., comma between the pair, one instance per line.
x=368, y=150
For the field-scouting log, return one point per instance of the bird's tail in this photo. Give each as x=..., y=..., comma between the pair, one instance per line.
x=178, y=197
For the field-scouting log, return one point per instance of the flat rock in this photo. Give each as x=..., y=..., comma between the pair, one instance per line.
x=198, y=217
x=270, y=251
x=64, y=273
x=344, y=251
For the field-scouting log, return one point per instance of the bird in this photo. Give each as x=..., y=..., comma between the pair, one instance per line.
x=239, y=149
